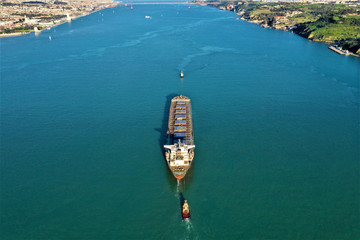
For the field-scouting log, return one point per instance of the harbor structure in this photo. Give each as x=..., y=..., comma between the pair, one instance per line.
x=339, y=50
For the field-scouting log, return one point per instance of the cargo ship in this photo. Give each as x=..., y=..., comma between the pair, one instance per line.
x=179, y=150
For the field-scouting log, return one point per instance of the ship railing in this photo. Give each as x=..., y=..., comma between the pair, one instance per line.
x=189, y=125
x=172, y=118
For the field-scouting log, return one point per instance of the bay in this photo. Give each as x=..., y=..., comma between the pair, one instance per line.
x=84, y=115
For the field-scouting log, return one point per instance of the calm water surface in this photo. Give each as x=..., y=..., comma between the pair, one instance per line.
x=83, y=119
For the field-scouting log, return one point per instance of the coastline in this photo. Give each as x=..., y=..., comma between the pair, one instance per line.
x=282, y=22
x=332, y=45
x=329, y=44
x=16, y=34
x=62, y=21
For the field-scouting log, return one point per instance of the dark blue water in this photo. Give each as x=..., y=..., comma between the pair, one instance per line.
x=83, y=119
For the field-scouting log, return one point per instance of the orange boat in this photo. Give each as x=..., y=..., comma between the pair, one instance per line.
x=186, y=211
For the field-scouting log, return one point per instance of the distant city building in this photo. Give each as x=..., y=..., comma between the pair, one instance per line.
x=12, y=12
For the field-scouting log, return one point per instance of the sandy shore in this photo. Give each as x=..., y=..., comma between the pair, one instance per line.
x=16, y=34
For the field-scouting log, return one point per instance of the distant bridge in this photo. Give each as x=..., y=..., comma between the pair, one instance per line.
x=151, y=3
x=154, y=3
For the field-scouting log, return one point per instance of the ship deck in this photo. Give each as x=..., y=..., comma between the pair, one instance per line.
x=180, y=120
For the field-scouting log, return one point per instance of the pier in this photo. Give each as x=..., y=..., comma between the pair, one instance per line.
x=339, y=50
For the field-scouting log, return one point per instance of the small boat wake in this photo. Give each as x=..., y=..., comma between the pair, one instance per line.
x=178, y=186
x=189, y=231
x=188, y=225
x=203, y=51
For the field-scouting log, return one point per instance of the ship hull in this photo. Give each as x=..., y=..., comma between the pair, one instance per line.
x=179, y=150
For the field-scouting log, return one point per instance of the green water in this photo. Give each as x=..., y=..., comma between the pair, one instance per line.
x=83, y=121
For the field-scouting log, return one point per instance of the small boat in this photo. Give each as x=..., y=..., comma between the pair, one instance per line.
x=181, y=74
x=186, y=211
x=149, y=17
x=50, y=38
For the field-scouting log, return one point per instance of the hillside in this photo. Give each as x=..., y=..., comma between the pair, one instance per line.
x=331, y=23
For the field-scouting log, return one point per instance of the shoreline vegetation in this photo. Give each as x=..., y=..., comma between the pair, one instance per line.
x=337, y=25
x=18, y=17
